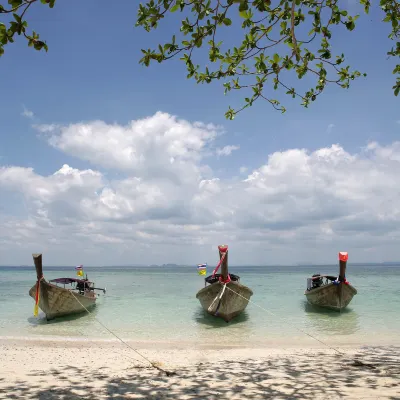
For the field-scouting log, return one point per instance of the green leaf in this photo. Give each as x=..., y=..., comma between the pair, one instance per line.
x=15, y=3
x=243, y=6
x=17, y=17
x=175, y=8
x=227, y=22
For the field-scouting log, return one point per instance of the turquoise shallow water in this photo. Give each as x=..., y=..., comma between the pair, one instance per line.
x=159, y=304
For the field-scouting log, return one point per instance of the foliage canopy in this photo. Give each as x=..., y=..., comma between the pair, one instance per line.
x=279, y=38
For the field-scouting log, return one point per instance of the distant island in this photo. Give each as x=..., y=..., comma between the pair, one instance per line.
x=172, y=265
x=147, y=265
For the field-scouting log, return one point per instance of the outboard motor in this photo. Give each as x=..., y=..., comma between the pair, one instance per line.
x=316, y=281
x=80, y=287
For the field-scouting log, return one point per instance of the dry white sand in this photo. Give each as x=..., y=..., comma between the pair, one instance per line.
x=108, y=370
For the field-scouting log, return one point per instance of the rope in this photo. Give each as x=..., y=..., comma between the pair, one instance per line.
x=168, y=373
x=356, y=362
x=225, y=281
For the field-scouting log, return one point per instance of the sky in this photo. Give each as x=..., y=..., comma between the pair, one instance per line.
x=106, y=162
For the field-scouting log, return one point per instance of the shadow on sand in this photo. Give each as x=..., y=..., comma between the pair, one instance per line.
x=309, y=376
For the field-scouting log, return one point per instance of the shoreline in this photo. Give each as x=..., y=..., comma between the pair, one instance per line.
x=293, y=342
x=46, y=369
x=170, y=353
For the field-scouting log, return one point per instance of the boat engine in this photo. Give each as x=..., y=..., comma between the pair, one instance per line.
x=316, y=281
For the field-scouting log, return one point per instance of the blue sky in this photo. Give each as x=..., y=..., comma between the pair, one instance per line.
x=91, y=72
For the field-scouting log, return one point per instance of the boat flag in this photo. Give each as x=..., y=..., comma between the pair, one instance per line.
x=79, y=270
x=202, y=269
x=37, y=298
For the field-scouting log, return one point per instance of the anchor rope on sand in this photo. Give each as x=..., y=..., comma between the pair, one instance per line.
x=168, y=373
x=356, y=362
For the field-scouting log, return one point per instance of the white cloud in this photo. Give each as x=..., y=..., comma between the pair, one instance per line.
x=330, y=128
x=243, y=170
x=157, y=147
x=227, y=150
x=27, y=113
x=169, y=206
x=46, y=128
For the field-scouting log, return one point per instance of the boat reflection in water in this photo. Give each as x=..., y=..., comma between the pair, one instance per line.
x=330, y=322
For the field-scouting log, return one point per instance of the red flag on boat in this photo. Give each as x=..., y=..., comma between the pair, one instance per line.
x=343, y=256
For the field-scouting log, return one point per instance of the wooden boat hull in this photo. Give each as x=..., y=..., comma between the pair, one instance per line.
x=331, y=296
x=231, y=304
x=57, y=302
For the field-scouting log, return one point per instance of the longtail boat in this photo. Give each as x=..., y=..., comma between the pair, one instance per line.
x=224, y=296
x=331, y=292
x=56, y=301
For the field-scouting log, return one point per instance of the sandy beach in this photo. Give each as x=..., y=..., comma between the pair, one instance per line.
x=49, y=369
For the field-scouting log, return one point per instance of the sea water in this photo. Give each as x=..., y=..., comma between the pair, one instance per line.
x=159, y=304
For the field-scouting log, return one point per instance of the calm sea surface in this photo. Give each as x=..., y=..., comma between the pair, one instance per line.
x=159, y=304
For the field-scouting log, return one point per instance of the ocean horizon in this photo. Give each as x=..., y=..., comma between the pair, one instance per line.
x=299, y=265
